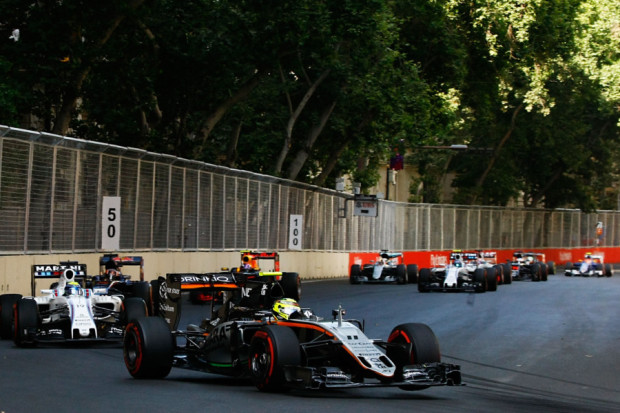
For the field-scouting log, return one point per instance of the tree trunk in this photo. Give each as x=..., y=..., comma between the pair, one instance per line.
x=304, y=153
x=536, y=197
x=232, y=152
x=69, y=103
x=331, y=163
x=288, y=139
x=74, y=89
x=242, y=93
x=335, y=155
x=496, y=153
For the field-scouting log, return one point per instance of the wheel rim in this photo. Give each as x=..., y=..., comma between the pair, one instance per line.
x=133, y=355
x=262, y=362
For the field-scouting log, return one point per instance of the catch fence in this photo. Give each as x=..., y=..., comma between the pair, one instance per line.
x=52, y=188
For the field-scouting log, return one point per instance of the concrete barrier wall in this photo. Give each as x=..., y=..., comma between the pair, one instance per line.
x=15, y=270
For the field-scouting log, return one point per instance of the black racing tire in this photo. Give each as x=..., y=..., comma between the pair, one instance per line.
x=551, y=268
x=401, y=274
x=354, y=275
x=142, y=289
x=480, y=279
x=499, y=271
x=26, y=319
x=491, y=276
x=507, y=273
x=567, y=269
x=291, y=285
x=424, y=280
x=412, y=273
x=608, y=270
x=7, y=301
x=148, y=348
x=535, y=272
x=134, y=308
x=422, y=344
x=271, y=348
x=544, y=272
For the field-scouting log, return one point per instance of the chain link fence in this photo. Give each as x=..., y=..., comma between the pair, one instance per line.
x=52, y=187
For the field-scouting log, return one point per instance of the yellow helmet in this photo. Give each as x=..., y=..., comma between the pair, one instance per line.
x=284, y=308
x=72, y=288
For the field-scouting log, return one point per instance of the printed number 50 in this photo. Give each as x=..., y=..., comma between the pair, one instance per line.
x=111, y=219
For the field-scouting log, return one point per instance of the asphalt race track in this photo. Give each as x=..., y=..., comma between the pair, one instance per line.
x=529, y=347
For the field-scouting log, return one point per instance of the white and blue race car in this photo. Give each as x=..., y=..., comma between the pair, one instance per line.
x=69, y=312
x=464, y=272
x=592, y=265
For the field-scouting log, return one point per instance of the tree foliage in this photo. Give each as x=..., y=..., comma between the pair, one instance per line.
x=314, y=90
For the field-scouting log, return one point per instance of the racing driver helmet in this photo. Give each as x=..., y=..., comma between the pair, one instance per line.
x=72, y=288
x=286, y=308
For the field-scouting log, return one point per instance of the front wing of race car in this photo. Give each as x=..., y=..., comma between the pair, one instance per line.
x=343, y=356
x=413, y=377
x=378, y=274
x=586, y=272
x=450, y=279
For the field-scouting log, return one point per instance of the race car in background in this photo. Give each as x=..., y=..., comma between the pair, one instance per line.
x=112, y=280
x=531, y=265
x=592, y=265
x=284, y=346
x=69, y=312
x=251, y=268
x=50, y=271
x=487, y=260
x=462, y=273
x=388, y=267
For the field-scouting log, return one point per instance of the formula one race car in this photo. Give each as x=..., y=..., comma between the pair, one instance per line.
x=463, y=273
x=251, y=268
x=387, y=268
x=113, y=281
x=531, y=265
x=287, y=347
x=488, y=260
x=591, y=266
x=69, y=312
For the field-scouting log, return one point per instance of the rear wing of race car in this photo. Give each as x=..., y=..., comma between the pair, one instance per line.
x=540, y=256
x=122, y=261
x=465, y=256
x=487, y=256
x=253, y=257
x=56, y=271
x=170, y=289
x=387, y=254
